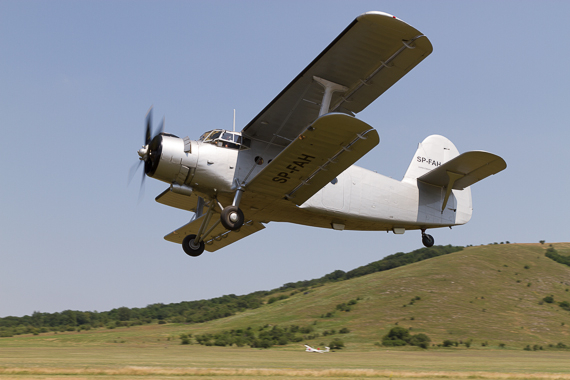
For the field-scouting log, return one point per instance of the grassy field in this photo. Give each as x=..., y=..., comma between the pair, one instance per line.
x=231, y=362
x=489, y=295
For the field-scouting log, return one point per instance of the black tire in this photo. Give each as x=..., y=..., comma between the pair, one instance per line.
x=187, y=246
x=232, y=218
x=428, y=240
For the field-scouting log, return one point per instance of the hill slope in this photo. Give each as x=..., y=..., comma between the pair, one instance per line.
x=488, y=293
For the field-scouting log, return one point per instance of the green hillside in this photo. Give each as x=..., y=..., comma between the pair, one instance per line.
x=490, y=293
x=493, y=294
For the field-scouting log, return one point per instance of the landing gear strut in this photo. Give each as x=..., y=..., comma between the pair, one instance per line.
x=231, y=218
x=427, y=240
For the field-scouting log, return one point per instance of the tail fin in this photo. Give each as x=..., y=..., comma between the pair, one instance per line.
x=432, y=152
x=443, y=177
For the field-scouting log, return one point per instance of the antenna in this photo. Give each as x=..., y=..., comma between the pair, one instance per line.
x=234, y=119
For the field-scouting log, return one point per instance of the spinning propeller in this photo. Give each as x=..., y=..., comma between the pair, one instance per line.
x=150, y=151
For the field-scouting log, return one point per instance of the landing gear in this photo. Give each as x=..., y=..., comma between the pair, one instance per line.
x=232, y=218
x=427, y=240
x=191, y=247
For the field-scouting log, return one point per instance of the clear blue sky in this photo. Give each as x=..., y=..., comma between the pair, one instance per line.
x=77, y=77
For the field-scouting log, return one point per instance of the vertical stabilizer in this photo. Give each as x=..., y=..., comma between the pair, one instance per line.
x=434, y=207
x=432, y=152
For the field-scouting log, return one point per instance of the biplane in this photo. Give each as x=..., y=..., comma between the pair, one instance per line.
x=294, y=162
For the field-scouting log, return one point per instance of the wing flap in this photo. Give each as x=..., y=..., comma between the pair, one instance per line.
x=324, y=150
x=218, y=238
x=464, y=170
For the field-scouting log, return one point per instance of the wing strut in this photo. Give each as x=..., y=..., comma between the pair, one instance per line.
x=329, y=87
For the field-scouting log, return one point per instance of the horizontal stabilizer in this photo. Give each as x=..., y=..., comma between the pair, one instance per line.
x=464, y=170
x=324, y=150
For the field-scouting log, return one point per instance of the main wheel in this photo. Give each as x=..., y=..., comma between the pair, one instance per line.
x=428, y=240
x=232, y=218
x=191, y=248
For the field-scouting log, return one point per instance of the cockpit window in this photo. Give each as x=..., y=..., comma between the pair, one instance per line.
x=224, y=139
x=205, y=135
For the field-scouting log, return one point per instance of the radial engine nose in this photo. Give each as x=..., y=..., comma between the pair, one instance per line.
x=167, y=159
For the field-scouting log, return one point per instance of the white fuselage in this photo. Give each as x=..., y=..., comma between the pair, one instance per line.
x=358, y=199
x=366, y=200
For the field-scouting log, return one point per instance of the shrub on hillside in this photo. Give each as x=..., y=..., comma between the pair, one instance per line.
x=336, y=344
x=400, y=336
x=343, y=307
x=420, y=340
x=263, y=337
x=553, y=254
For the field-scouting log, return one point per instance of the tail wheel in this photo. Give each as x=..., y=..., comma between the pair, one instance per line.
x=191, y=248
x=428, y=240
x=232, y=218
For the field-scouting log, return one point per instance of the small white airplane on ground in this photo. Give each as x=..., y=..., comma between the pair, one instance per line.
x=311, y=349
x=294, y=161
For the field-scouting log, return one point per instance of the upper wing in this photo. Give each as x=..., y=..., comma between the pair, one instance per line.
x=323, y=151
x=368, y=57
x=464, y=170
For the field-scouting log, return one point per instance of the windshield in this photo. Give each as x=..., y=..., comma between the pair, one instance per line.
x=224, y=139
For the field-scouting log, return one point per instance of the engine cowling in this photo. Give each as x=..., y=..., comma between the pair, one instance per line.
x=168, y=161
